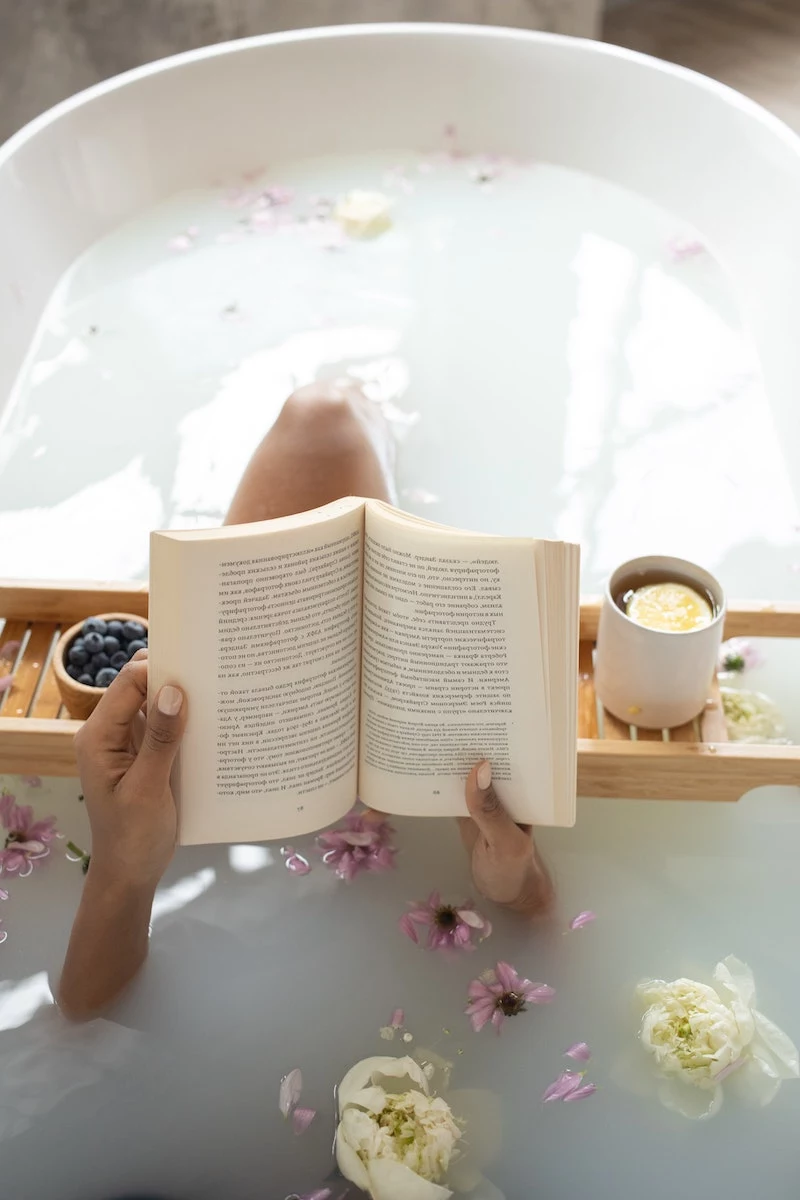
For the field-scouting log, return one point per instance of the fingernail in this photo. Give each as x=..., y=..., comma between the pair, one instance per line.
x=169, y=701
x=485, y=776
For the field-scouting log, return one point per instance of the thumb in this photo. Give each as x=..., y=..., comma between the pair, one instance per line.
x=166, y=722
x=484, y=806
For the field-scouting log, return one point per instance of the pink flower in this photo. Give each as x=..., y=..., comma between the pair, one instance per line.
x=502, y=993
x=583, y=918
x=360, y=843
x=450, y=926
x=738, y=654
x=681, y=248
x=27, y=840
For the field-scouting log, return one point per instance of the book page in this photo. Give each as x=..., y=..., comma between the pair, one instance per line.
x=261, y=626
x=452, y=670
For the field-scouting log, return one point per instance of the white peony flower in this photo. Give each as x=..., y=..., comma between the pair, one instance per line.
x=752, y=716
x=699, y=1037
x=395, y=1141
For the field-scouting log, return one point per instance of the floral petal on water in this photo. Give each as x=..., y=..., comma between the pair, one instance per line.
x=567, y=1082
x=290, y=1089
x=580, y=1052
x=581, y=1093
x=408, y=927
x=302, y=1118
x=3, y=894
x=398, y=1018
x=583, y=918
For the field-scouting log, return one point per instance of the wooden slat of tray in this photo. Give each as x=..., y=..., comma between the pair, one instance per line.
x=12, y=631
x=34, y=746
x=47, y=703
x=587, y=701
x=29, y=669
x=679, y=771
x=68, y=603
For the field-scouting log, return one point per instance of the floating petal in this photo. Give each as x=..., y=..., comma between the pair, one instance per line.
x=567, y=1082
x=302, y=1118
x=290, y=1089
x=581, y=1093
x=579, y=1051
x=583, y=918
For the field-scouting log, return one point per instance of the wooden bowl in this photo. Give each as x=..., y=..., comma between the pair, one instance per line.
x=80, y=699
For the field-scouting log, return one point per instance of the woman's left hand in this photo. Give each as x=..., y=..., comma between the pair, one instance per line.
x=506, y=866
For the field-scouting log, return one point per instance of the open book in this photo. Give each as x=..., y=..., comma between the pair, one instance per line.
x=358, y=651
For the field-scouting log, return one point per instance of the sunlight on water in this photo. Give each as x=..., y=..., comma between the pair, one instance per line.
x=533, y=332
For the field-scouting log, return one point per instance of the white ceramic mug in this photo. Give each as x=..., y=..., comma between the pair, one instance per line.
x=651, y=677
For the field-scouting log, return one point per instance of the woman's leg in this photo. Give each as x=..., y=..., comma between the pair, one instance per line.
x=329, y=441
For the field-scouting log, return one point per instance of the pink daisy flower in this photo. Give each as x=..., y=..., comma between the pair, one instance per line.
x=737, y=654
x=26, y=840
x=361, y=843
x=450, y=926
x=502, y=993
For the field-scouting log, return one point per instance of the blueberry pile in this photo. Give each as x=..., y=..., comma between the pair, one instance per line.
x=102, y=648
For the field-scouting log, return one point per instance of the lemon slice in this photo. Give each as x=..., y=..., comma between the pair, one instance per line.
x=671, y=607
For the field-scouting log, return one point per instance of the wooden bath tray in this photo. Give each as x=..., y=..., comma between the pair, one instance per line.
x=693, y=762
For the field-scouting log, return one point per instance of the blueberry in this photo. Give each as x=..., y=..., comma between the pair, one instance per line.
x=95, y=625
x=73, y=672
x=114, y=629
x=134, y=646
x=119, y=659
x=87, y=680
x=133, y=631
x=105, y=677
x=78, y=656
x=111, y=645
x=93, y=642
x=100, y=661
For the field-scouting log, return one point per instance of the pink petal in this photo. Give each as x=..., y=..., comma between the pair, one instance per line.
x=10, y=650
x=290, y=1089
x=498, y=1017
x=3, y=894
x=567, y=1082
x=478, y=990
x=479, y=1015
x=423, y=915
x=579, y=1051
x=581, y=1093
x=297, y=864
x=398, y=1019
x=471, y=918
x=5, y=683
x=507, y=976
x=302, y=1118
x=408, y=927
x=33, y=781
x=538, y=993
x=583, y=918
